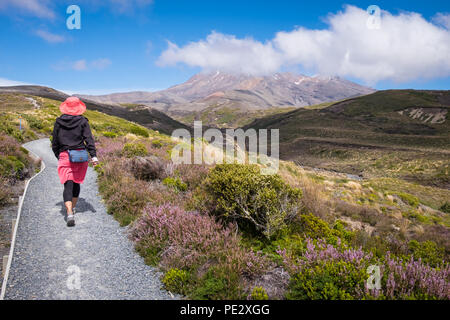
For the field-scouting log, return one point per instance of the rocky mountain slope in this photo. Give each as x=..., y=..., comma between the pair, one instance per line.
x=241, y=91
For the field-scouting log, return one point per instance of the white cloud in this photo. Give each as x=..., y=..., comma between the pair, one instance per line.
x=6, y=83
x=101, y=64
x=43, y=8
x=443, y=19
x=79, y=65
x=82, y=65
x=226, y=53
x=38, y=8
x=406, y=47
x=50, y=37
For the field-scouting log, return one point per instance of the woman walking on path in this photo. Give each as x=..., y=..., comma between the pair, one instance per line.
x=72, y=144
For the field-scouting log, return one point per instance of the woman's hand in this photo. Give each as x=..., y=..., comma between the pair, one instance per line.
x=94, y=161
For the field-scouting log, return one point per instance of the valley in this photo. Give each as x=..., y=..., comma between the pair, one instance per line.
x=371, y=136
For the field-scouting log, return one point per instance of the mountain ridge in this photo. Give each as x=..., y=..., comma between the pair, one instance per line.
x=242, y=91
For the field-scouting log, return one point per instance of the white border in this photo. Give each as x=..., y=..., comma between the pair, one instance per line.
x=14, y=235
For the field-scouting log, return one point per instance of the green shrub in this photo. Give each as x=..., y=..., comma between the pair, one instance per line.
x=408, y=198
x=175, y=183
x=157, y=144
x=259, y=293
x=314, y=227
x=340, y=231
x=445, y=207
x=176, y=280
x=99, y=168
x=11, y=166
x=134, y=149
x=258, y=203
x=109, y=134
x=332, y=280
x=375, y=244
x=219, y=283
x=33, y=122
x=139, y=131
x=428, y=251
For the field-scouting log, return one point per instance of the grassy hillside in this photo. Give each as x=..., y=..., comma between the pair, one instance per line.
x=39, y=121
x=147, y=117
x=234, y=117
x=402, y=133
x=228, y=117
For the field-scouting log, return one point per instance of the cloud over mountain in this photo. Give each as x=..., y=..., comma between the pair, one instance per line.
x=406, y=47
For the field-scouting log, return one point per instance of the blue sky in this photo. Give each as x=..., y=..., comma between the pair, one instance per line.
x=121, y=44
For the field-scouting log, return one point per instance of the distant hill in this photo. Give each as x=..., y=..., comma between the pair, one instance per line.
x=387, y=131
x=240, y=92
x=147, y=117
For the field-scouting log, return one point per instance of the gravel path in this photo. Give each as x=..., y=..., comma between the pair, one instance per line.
x=48, y=254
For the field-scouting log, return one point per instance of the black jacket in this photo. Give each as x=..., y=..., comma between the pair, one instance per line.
x=72, y=132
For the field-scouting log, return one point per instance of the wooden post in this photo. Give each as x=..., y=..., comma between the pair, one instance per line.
x=5, y=264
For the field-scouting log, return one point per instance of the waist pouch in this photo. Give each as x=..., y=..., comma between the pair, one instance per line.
x=78, y=156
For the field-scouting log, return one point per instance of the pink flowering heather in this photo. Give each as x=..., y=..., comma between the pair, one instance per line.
x=108, y=147
x=8, y=145
x=320, y=251
x=190, y=240
x=414, y=278
x=400, y=279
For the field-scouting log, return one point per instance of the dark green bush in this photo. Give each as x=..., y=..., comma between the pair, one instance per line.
x=445, y=207
x=413, y=201
x=157, y=144
x=109, y=134
x=332, y=280
x=33, y=122
x=258, y=203
x=11, y=166
x=139, y=131
x=342, y=233
x=314, y=227
x=219, y=283
x=258, y=293
x=134, y=149
x=176, y=280
x=175, y=183
x=428, y=251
